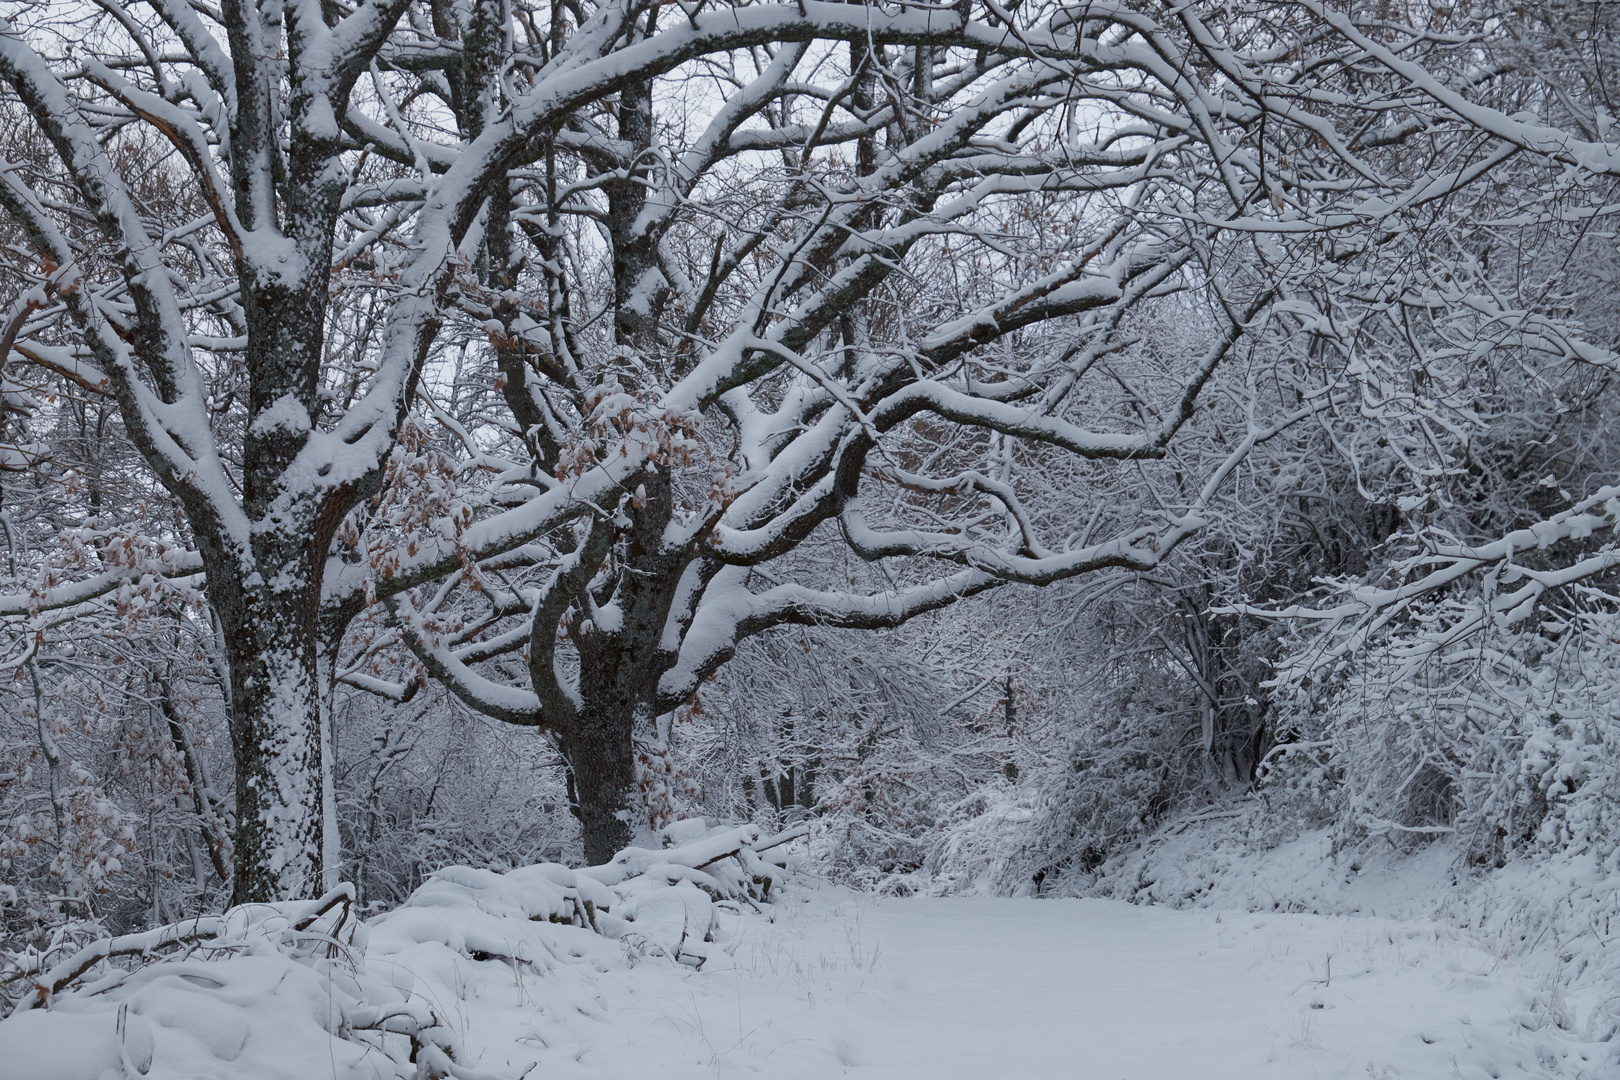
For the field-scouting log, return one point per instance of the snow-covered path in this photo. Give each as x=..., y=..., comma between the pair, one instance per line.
x=1094, y=990
x=826, y=983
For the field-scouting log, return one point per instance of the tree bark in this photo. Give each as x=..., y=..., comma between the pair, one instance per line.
x=601, y=752
x=276, y=733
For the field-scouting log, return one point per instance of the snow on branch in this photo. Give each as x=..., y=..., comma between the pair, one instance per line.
x=1351, y=624
x=183, y=568
x=491, y=698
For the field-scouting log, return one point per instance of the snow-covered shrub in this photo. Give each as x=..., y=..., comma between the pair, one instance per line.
x=110, y=737
x=432, y=784
x=1510, y=741
x=301, y=989
x=984, y=844
x=1569, y=778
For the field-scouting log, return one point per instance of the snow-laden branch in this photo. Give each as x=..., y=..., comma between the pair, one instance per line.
x=498, y=700
x=1368, y=609
x=171, y=426
x=182, y=568
x=50, y=983
x=730, y=611
x=1520, y=130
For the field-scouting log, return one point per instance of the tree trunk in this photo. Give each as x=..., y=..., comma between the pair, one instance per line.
x=601, y=751
x=331, y=842
x=276, y=732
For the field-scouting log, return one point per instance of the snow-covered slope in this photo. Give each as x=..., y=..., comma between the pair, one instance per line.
x=1557, y=915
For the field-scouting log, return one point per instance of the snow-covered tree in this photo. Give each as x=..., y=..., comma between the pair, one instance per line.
x=1454, y=683
x=800, y=334
x=789, y=308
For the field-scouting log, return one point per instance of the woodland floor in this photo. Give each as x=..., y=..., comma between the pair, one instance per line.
x=1099, y=990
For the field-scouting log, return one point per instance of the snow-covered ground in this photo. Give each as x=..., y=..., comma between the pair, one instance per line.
x=939, y=988
x=546, y=972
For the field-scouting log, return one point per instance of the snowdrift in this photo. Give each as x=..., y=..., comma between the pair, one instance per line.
x=291, y=991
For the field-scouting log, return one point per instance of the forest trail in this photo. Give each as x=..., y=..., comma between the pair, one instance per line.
x=1088, y=989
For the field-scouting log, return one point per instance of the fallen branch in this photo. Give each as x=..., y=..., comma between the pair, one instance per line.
x=61, y=976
